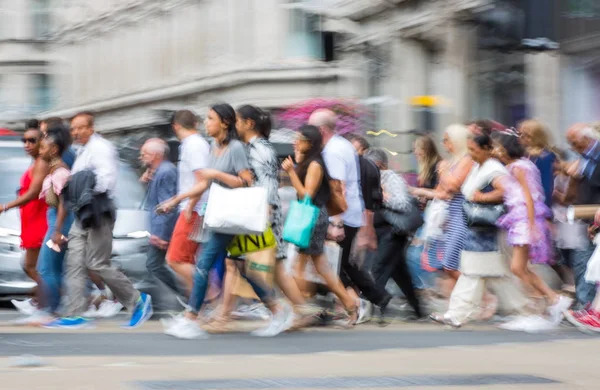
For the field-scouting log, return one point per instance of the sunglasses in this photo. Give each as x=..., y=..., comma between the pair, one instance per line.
x=31, y=140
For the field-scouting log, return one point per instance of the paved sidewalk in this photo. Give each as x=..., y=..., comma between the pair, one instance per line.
x=572, y=363
x=109, y=357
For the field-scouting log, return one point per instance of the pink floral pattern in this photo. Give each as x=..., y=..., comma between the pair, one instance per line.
x=352, y=116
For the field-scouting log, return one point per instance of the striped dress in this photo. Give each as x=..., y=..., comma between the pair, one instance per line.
x=445, y=252
x=456, y=233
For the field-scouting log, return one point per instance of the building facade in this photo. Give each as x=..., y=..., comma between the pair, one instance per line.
x=132, y=61
x=25, y=81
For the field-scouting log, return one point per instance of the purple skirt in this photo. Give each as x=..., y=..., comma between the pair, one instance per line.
x=516, y=223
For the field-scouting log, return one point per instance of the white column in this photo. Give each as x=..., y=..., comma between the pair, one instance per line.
x=543, y=87
x=450, y=75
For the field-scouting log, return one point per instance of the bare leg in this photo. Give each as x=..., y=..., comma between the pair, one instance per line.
x=519, y=267
x=333, y=282
x=186, y=272
x=453, y=276
x=288, y=285
x=30, y=268
x=229, y=299
x=300, y=281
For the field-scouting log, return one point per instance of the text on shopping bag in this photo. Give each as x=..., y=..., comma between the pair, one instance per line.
x=249, y=243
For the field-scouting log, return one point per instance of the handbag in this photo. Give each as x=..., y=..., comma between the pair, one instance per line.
x=237, y=211
x=436, y=214
x=592, y=272
x=300, y=222
x=250, y=243
x=337, y=200
x=261, y=265
x=407, y=221
x=481, y=214
x=333, y=254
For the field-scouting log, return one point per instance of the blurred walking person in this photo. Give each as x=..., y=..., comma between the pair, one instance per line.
x=392, y=246
x=310, y=178
x=342, y=165
x=446, y=251
x=482, y=260
x=90, y=237
x=193, y=157
x=59, y=218
x=32, y=212
x=586, y=171
x=162, y=187
x=525, y=222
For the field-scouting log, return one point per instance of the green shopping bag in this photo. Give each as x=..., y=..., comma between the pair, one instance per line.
x=300, y=222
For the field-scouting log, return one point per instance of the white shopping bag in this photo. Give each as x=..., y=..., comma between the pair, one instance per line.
x=592, y=273
x=333, y=252
x=237, y=211
x=435, y=217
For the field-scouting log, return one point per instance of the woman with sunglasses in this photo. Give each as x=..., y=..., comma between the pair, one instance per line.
x=33, y=212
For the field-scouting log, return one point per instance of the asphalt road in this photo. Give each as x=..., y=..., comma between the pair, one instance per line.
x=109, y=339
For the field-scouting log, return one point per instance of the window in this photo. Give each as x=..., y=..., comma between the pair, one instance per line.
x=40, y=12
x=304, y=35
x=42, y=92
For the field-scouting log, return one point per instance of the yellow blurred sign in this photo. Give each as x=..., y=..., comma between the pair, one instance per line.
x=424, y=101
x=380, y=132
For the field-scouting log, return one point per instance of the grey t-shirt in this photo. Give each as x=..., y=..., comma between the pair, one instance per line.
x=233, y=160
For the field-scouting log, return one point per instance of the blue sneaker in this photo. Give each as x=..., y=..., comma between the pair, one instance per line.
x=69, y=323
x=142, y=313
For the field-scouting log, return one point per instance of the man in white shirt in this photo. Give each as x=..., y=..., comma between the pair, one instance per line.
x=90, y=248
x=341, y=160
x=193, y=157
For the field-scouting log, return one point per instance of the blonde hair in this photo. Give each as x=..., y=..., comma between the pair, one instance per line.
x=458, y=135
x=426, y=169
x=537, y=134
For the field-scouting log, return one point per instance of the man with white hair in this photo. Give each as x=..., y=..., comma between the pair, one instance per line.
x=342, y=163
x=162, y=186
x=586, y=171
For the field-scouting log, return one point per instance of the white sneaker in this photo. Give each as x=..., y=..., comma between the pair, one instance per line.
x=183, y=328
x=517, y=324
x=24, y=307
x=37, y=318
x=254, y=312
x=539, y=324
x=556, y=311
x=109, y=309
x=281, y=321
x=91, y=312
x=365, y=310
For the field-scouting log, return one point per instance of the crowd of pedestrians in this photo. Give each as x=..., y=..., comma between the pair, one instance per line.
x=466, y=236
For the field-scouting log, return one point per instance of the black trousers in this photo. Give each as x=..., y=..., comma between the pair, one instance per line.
x=352, y=276
x=390, y=262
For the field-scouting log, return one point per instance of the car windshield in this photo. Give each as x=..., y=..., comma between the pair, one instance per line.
x=129, y=193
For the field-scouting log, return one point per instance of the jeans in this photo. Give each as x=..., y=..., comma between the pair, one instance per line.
x=421, y=278
x=50, y=263
x=213, y=250
x=156, y=265
x=584, y=291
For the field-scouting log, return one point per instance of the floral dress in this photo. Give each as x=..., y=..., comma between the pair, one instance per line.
x=264, y=166
x=516, y=220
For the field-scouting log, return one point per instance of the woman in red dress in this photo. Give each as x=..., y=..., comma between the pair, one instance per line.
x=32, y=209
